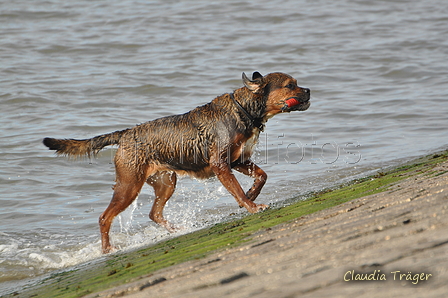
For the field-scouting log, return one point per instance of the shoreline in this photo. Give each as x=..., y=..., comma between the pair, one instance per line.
x=304, y=248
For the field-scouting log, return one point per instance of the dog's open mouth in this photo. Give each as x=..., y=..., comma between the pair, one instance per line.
x=296, y=104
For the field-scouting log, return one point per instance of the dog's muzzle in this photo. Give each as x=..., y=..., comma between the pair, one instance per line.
x=297, y=103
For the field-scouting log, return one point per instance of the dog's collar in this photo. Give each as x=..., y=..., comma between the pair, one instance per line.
x=256, y=122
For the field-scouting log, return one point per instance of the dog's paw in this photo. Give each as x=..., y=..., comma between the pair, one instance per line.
x=109, y=249
x=172, y=228
x=255, y=208
x=261, y=207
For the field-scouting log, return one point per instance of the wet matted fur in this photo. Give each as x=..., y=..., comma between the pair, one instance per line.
x=210, y=140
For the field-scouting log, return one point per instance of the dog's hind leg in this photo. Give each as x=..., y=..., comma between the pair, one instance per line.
x=164, y=184
x=129, y=183
x=252, y=170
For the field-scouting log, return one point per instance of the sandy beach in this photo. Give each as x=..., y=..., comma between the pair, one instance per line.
x=390, y=244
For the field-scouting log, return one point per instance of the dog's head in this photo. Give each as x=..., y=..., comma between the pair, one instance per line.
x=280, y=92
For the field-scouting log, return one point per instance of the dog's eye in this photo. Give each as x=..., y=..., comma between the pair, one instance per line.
x=290, y=86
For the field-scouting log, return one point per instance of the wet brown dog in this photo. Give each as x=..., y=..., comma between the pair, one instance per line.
x=210, y=140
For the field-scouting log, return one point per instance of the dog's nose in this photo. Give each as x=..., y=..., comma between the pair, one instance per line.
x=306, y=93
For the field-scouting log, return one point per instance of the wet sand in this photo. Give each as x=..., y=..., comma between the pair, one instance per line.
x=397, y=239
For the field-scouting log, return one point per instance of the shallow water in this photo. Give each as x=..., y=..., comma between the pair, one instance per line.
x=377, y=73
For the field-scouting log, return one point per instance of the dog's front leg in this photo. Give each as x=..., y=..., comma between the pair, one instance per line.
x=224, y=173
x=252, y=170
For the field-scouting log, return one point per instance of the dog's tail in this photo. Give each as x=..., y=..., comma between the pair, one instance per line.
x=77, y=148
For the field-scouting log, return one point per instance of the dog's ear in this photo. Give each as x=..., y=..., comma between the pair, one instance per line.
x=254, y=85
x=256, y=75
